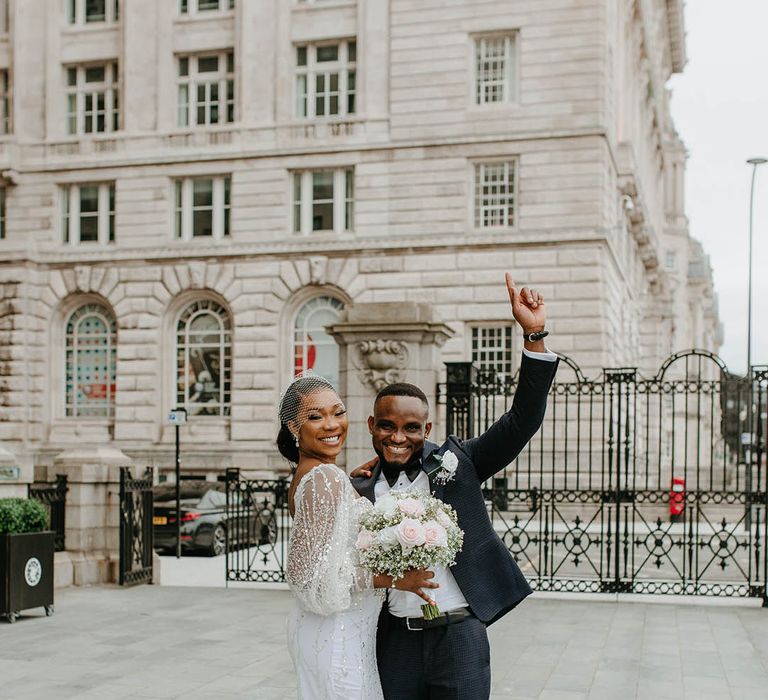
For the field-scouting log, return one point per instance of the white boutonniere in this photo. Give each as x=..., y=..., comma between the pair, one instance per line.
x=447, y=469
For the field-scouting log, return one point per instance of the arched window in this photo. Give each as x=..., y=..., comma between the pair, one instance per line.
x=313, y=348
x=91, y=367
x=204, y=359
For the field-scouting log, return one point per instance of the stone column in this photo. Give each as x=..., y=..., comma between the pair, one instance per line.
x=383, y=343
x=92, y=515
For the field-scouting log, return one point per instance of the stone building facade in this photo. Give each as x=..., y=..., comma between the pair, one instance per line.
x=200, y=197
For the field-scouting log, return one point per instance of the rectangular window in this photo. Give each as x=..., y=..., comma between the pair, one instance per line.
x=206, y=89
x=323, y=200
x=5, y=103
x=326, y=80
x=495, y=69
x=492, y=350
x=192, y=7
x=2, y=213
x=495, y=194
x=92, y=11
x=93, y=98
x=202, y=208
x=88, y=213
x=670, y=261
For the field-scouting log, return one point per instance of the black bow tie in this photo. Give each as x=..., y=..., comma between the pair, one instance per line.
x=392, y=475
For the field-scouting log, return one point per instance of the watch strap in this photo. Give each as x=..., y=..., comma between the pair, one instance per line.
x=536, y=335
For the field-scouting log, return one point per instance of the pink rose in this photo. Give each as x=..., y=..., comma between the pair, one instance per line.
x=435, y=534
x=410, y=533
x=365, y=539
x=411, y=507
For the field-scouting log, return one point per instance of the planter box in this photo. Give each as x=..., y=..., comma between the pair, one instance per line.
x=26, y=573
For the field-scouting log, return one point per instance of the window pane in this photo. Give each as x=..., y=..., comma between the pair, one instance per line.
x=202, y=222
x=178, y=187
x=89, y=198
x=203, y=5
x=89, y=229
x=301, y=56
x=183, y=66
x=202, y=193
x=352, y=51
x=95, y=74
x=322, y=185
x=71, y=77
x=208, y=64
x=203, y=361
x=313, y=348
x=328, y=53
x=90, y=362
x=297, y=202
x=95, y=10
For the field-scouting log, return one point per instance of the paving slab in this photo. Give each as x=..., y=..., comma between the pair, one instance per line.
x=225, y=644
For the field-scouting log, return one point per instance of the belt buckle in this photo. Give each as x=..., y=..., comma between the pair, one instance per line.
x=408, y=625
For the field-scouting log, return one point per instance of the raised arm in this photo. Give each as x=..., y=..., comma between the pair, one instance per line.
x=504, y=440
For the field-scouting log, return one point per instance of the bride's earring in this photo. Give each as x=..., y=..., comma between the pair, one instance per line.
x=297, y=440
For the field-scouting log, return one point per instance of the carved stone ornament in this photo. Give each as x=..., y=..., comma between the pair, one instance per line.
x=381, y=362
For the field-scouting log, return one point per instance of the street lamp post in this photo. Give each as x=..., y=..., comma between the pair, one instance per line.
x=754, y=162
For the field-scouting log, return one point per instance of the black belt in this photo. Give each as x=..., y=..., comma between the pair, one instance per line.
x=418, y=624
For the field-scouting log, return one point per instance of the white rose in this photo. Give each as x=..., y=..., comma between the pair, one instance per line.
x=443, y=518
x=410, y=533
x=388, y=536
x=450, y=462
x=386, y=505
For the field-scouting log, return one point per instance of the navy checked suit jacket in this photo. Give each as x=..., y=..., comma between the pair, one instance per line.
x=485, y=571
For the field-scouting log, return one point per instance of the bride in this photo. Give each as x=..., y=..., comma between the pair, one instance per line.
x=332, y=626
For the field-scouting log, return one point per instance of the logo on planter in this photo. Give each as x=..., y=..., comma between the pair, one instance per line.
x=33, y=571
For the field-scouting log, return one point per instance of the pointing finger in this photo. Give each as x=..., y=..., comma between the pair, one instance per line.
x=511, y=288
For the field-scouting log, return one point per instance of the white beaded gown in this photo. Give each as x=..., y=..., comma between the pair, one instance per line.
x=332, y=625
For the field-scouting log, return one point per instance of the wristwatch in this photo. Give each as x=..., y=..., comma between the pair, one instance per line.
x=536, y=335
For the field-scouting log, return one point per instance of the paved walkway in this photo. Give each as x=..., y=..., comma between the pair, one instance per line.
x=216, y=644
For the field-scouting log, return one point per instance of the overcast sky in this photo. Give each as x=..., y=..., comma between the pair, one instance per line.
x=720, y=108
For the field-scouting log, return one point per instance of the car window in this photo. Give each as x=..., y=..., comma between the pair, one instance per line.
x=212, y=499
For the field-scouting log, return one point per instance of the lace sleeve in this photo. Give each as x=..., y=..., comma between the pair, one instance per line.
x=321, y=569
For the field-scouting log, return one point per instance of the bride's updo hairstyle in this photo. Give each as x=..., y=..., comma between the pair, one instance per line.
x=292, y=412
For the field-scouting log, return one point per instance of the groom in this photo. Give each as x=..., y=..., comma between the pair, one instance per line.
x=449, y=657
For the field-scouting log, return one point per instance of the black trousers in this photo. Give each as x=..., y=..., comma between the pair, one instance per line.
x=450, y=663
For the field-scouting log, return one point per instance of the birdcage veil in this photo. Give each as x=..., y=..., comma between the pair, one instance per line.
x=292, y=409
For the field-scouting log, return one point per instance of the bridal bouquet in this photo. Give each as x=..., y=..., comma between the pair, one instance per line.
x=405, y=531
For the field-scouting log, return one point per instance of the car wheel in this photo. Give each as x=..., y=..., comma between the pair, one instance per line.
x=218, y=541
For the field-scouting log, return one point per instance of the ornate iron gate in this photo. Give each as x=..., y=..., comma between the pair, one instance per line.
x=54, y=497
x=258, y=525
x=135, y=528
x=586, y=506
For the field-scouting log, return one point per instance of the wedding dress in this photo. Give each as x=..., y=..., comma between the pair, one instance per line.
x=332, y=626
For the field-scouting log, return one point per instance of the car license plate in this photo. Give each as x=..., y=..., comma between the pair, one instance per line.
x=159, y=520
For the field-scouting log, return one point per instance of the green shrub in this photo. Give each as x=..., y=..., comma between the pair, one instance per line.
x=19, y=515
